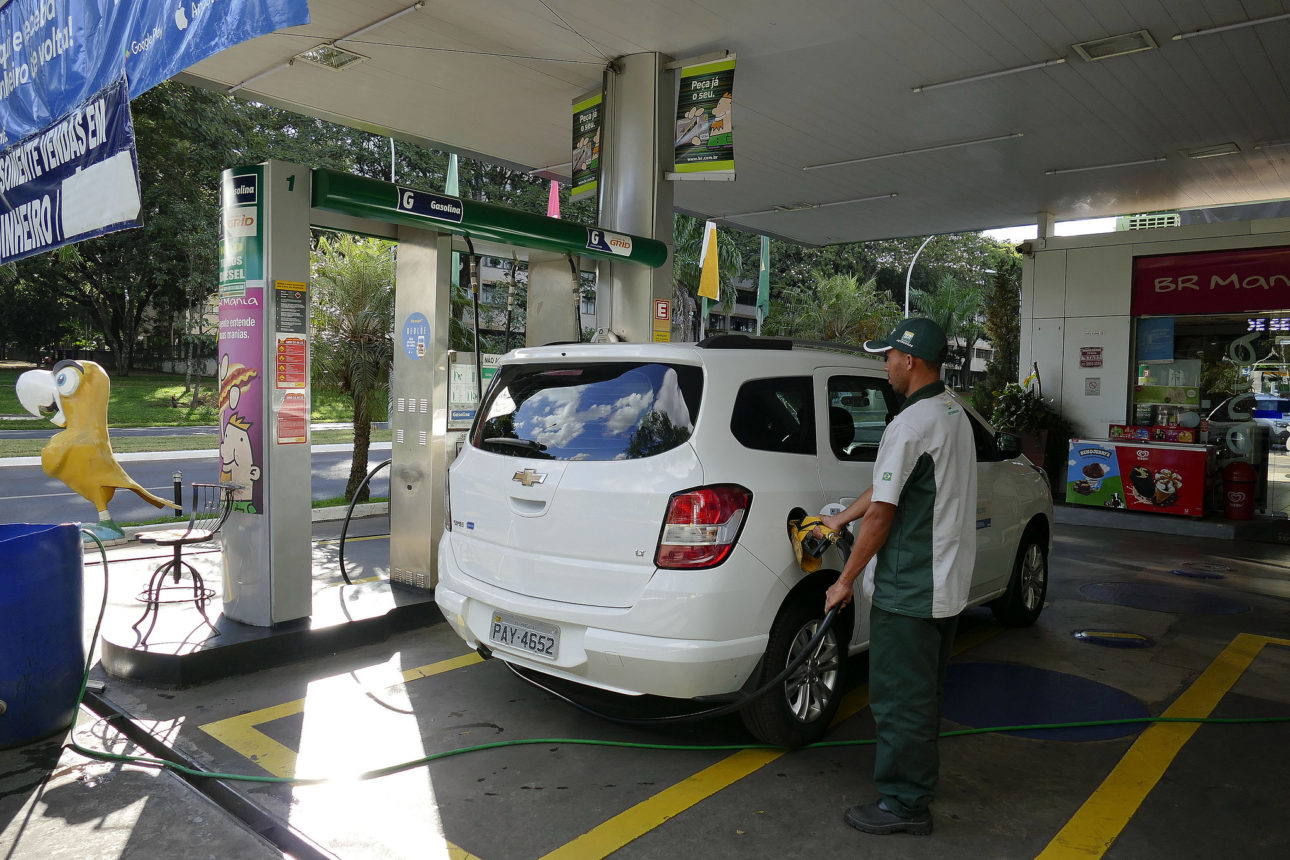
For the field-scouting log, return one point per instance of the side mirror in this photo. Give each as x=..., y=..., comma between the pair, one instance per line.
x=1009, y=444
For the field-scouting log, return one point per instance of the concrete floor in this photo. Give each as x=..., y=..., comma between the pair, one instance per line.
x=1169, y=791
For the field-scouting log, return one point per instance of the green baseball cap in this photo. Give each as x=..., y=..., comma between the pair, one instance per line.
x=917, y=336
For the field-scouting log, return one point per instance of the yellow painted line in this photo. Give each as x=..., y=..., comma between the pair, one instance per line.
x=606, y=838
x=431, y=669
x=241, y=735
x=1098, y=823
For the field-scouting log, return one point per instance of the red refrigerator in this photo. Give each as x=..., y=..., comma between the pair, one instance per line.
x=1160, y=477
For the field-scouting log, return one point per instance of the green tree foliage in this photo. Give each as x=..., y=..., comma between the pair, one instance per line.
x=956, y=307
x=353, y=320
x=1002, y=329
x=835, y=308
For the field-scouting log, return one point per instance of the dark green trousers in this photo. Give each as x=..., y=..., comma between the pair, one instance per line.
x=907, y=660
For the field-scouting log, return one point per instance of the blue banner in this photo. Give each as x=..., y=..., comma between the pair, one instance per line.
x=56, y=54
x=75, y=180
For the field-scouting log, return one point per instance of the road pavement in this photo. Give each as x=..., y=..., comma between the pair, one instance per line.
x=27, y=494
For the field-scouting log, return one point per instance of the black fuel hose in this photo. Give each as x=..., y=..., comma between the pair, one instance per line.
x=721, y=710
x=344, y=574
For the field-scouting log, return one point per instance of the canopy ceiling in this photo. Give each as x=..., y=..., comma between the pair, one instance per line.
x=824, y=81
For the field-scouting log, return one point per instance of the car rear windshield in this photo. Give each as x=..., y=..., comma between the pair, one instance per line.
x=599, y=411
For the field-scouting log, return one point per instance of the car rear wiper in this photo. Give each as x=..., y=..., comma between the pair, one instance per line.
x=510, y=442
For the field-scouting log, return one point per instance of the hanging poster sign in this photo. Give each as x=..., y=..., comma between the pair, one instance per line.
x=586, y=144
x=705, y=139
x=55, y=54
x=75, y=180
x=1156, y=339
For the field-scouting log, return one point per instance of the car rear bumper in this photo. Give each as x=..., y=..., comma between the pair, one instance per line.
x=608, y=659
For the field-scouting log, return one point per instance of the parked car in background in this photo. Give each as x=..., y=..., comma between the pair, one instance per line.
x=1268, y=411
x=618, y=518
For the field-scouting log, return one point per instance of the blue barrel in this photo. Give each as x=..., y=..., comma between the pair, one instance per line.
x=42, y=657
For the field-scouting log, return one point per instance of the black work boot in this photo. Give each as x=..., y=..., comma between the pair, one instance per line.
x=877, y=818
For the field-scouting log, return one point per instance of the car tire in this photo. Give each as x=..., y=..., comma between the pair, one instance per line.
x=1021, y=604
x=800, y=709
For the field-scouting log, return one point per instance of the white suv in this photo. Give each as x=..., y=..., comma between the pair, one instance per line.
x=618, y=518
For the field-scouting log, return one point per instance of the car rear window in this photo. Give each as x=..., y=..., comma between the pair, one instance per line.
x=598, y=411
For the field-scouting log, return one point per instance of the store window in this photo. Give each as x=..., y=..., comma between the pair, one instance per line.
x=1216, y=370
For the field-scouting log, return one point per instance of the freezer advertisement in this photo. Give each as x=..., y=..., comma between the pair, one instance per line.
x=1166, y=479
x=1093, y=475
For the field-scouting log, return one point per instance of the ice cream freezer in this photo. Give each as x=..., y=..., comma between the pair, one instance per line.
x=1160, y=477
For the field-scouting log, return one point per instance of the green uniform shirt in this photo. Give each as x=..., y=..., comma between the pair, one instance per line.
x=926, y=467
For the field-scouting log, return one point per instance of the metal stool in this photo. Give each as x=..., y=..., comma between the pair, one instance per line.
x=212, y=503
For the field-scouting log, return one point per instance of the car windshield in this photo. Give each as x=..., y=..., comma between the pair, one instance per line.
x=599, y=411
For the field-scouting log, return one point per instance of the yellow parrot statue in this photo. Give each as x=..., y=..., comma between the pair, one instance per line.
x=75, y=396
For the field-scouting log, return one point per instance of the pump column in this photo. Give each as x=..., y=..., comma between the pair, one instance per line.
x=264, y=394
x=419, y=412
x=636, y=151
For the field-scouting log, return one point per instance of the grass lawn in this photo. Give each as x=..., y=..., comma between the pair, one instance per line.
x=158, y=400
x=184, y=442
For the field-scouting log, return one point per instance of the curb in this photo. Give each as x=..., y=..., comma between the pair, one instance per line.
x=318, y=515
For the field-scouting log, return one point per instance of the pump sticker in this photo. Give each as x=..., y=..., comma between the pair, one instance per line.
x=439, y=207
x=609, y=243
x=416, y=336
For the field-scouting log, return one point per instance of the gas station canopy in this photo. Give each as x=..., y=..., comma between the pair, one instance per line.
x=854, y=119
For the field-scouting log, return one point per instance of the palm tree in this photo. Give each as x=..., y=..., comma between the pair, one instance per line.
x=837, y=308
x=353, y=323
x=687, y=247
x=956, y=307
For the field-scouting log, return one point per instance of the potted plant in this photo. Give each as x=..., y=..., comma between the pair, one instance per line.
x=1023, y=410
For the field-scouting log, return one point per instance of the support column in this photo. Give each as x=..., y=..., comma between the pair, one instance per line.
x=636, y=150
x=419, y=417
x=553, y=315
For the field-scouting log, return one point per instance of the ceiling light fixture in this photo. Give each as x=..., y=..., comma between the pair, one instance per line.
x=919, y=151
x=1272, y=144
x=1224, y=28
x=804, y=207
x=354, y=35
x=922, y=88
x=1115, y=46
x=1213, y=151
x=331, y=57
x=1059, y=170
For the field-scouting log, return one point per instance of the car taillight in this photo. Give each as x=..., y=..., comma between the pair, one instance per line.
x=701, y=526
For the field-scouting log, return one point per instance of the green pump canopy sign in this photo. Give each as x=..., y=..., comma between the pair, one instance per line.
x=397, y=204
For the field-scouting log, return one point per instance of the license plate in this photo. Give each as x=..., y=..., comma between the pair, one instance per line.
x=525, y=634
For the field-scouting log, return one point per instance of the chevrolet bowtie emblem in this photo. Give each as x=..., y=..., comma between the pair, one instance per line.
x=529, y=477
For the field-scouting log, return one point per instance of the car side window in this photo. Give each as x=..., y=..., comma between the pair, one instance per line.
x=775, y=415
x=860, y=407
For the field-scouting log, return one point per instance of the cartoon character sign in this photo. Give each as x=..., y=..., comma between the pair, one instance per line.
x=237, y=461
x=237, y=453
